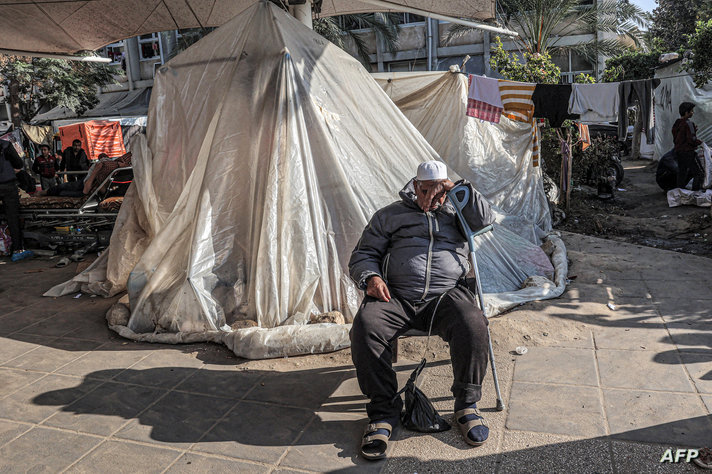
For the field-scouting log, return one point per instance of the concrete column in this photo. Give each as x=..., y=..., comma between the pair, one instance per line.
x=303, y=13
x=132, y=59
x=486, y=53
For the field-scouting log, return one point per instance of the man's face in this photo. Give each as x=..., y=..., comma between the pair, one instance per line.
x=45, y=151
x=430, y=194
x=76, y=147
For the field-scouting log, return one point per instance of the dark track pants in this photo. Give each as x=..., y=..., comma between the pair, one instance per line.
x=11, y=202
x=689, y=168
x=458, y=321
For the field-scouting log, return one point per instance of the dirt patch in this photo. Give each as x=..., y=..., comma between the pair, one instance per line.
x=640, y=215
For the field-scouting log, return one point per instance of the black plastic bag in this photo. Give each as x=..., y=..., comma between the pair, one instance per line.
x=420, y=414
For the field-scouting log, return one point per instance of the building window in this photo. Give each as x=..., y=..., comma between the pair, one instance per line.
x=407, y=66
x=149, y=47
x=407, y=18
x=115, y=52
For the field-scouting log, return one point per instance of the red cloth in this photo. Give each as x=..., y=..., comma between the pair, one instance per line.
x=483, y=111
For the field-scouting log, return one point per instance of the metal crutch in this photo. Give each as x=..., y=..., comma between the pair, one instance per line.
x=458, y=204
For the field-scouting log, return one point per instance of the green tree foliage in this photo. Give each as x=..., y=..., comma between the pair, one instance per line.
x=700, y=64
x=632, y=64
x=37, y=82
x=537, y=67
x=674, y=20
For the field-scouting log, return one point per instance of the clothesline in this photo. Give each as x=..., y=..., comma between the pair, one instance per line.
x=614, y=82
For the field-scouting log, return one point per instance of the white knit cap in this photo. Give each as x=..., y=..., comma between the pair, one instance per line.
x=431, y=170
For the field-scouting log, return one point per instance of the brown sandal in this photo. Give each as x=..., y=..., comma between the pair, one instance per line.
x=468, y=425
x=374, y=445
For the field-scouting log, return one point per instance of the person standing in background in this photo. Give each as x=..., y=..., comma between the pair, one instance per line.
x=684, y=134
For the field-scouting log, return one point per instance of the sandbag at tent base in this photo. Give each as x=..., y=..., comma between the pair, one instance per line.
x=257, y=343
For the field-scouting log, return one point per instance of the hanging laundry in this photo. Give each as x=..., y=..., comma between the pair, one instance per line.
x=536, y=138
x=483, y=99
x=551, y=101
x=642, y=91
x=517, y=100
x=595, y=103
x=584, y=135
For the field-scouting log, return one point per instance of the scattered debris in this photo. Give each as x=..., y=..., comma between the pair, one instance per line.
x=78, y=295
x=612, y=307
x=334, y=317
x=521, y=350
x=245, y=323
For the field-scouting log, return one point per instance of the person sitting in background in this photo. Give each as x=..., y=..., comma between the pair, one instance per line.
x=74, y=158
x=96, y=176
x=684, y=133
x=46, y=166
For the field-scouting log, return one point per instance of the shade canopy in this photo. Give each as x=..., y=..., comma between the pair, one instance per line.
x=69, y=26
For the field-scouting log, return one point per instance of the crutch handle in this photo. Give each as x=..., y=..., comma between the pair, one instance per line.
x=483, y=230
x=455, y=199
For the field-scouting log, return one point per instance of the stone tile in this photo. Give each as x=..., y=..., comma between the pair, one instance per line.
x=37, y=401
x=105, y=409
x=442, y=452
x=44, y=450
x=330, y=443
x=699, y=365
x=13, y=380
x=25, y=317
x=537, y=452
x=116, y=456
x=56, y=354
x=221, y=383
x=643, y=336
x=693, y=337
x=10, y=430
x=11, y=347
x=57, y=325
x=178, y=419
x=557, y=365
x=657, y=417
x=645, y=458
x=645, y=370
x=108, y=360
x=684, y=310
x=255, y=432
x=557, y=409
x=708, y=402
x=163, y=368
x=306, y=388
x=191, y=463
x=677, y=287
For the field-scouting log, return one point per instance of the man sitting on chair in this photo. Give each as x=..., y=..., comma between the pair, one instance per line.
x=412, y=259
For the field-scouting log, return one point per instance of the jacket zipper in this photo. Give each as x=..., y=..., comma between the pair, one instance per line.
x=430, y=255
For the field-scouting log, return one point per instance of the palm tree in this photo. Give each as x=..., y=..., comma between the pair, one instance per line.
x=340, y=29
x=542, y=25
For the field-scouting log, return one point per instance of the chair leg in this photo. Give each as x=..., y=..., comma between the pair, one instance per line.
x=394, y=350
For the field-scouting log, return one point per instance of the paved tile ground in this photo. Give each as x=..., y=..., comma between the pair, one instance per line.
x=600, y=390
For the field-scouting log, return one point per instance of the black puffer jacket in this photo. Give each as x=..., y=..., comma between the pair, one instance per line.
x=419, y=255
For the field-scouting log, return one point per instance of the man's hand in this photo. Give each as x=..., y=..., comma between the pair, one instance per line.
x=431, y=194
x=378, y=289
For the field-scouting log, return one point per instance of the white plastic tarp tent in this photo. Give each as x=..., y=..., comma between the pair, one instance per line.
x=250, y=195
x=668, y=96
x=496, y=158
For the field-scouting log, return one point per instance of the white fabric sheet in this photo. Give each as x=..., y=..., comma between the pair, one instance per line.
x=668, y=96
